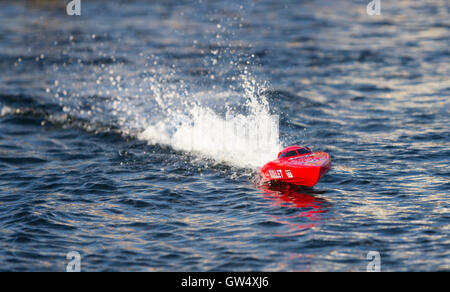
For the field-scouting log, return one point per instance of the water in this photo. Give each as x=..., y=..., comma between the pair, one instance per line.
x=118, y=135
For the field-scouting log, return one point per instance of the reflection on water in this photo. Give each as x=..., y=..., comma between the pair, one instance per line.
x=304, y=203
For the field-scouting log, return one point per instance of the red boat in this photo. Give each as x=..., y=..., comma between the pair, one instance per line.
x=297, y=165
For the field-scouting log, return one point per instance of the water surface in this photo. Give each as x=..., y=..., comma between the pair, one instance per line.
x=112, y=142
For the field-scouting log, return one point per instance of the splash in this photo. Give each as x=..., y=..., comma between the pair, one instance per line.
x=202, y=99
x=229, y=124
x=247, y=137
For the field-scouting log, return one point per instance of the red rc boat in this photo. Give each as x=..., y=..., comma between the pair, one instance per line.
x=297, y=165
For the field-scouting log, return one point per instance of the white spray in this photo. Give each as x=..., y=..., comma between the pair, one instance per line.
x=237, y=139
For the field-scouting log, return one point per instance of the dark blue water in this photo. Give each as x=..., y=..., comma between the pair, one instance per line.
x=77, y=173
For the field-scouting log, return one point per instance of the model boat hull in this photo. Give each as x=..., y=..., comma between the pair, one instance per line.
x=303, y=170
